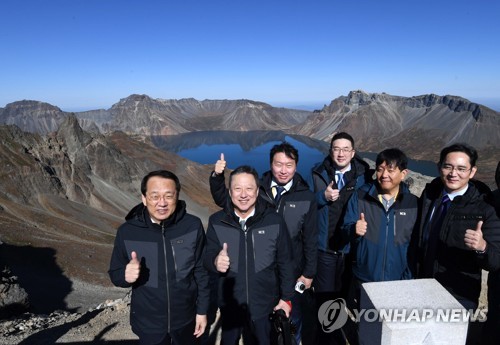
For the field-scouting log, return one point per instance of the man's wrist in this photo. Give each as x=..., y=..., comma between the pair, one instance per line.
x=480, y=252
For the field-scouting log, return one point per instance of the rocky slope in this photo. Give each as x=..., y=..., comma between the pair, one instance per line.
x=63, y=195
x=420, y=125
x=64, y=189
x=141, y=114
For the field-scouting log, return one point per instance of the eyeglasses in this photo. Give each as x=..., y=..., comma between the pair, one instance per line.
x=448, y=168
x=341, y=149
x=157, y=197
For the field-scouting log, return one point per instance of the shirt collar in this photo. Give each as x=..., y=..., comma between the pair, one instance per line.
x=455, y=194
x=249, y=215
x=348, y=168
x=287, y=186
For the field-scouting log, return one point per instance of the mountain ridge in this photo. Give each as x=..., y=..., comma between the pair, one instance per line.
x=419, y=125
x=66, y=186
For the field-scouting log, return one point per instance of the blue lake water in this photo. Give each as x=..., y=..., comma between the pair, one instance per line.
x=258, y=157
x=253, y=148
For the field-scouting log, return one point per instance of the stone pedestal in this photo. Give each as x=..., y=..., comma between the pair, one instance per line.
x=418, y=311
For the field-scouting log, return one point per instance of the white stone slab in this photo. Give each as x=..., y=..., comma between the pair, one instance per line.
x=419, y=311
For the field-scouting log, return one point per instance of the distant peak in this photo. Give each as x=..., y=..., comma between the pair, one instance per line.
x=31, y=104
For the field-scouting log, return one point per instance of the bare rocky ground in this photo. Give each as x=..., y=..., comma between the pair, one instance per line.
x=93, y=314
x=95, y=322
x=106, y=322
x=102, y=317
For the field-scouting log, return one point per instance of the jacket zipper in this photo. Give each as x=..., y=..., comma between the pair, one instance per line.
x=385, y=245
x=166, y=277
x=246, y=265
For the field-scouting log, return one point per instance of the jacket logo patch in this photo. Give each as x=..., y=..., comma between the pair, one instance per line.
x=179, y=241
x=402, y=213
x=261, y=232
x=292, y=205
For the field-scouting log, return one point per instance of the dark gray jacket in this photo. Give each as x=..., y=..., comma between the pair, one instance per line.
x=298, y=209
x=261, y=272
x=173, y=285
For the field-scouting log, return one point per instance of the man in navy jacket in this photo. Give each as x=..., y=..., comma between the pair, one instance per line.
x=333, y=181
x=158, y=253
x=379, y=222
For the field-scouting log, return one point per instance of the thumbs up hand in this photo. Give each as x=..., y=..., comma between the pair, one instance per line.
x=474, y=238
x=222, y=260
x=133, y=269
x=220, y=165
x=330, y=193
x=361, y=225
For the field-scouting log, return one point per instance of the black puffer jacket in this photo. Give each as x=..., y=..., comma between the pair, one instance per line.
x=455, y=266
x=260, y=273
x=297, y=207
x=173, y=285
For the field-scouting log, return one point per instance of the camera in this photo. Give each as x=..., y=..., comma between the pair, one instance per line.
x=300, y=287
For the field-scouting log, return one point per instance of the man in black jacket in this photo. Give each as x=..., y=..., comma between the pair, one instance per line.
x=249, y=247
x=285, y=190
x=158, y=252
x=459, y=232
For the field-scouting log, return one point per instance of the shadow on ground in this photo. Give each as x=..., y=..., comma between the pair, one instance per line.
x=51, y=335
x=39, y=274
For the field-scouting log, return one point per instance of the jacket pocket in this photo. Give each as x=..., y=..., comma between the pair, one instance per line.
x=183, y=252
x=265, y=246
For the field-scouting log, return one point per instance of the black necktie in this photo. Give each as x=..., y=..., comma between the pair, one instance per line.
x=434, y=229
x=279, y=190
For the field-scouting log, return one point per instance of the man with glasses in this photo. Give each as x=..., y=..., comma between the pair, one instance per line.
x=158, y=253
x=459, y=232
x=334, y=180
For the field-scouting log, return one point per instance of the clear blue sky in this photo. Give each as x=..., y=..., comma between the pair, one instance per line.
x=88, y=54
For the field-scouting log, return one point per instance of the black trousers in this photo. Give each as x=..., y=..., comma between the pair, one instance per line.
x=255, y=332
x=181, y=336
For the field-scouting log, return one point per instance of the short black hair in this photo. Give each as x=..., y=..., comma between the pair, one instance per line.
x=288, y=149
x=459, y=147
x=163, y=174
x=342, y=135
x=392, y=156
x=244, y=169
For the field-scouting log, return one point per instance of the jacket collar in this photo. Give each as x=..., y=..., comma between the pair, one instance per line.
x=435, y=188
x=139, y=214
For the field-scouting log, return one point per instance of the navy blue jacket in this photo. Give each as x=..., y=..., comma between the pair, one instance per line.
x=331, y=213
x=173, y=285
x=381, y=254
